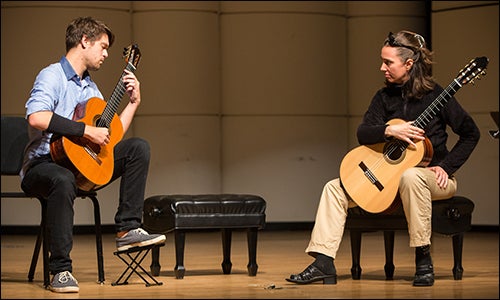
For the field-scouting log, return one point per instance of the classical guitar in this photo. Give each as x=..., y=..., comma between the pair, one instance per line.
x=370, y=173
x=93, y=164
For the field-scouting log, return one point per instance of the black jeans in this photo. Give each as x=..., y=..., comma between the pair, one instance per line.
x=57, y=184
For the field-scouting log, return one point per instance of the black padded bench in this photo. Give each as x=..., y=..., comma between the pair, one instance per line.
x=182, y=213
x=451, y=217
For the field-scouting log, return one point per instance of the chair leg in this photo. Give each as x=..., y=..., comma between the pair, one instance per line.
x=38, y=244
x=41, y=243
x=36, y=252
x=98, y=239
x=226, y=250
x=252, y=251
x=45, y=247
x=389, y=254
x=180, y=239
x=458, y=242
x=356, y=254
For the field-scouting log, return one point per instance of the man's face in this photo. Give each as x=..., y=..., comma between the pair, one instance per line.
x=97, y=52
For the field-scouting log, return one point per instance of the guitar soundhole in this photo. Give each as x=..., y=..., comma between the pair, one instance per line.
x=394, y=152
x=97, y=121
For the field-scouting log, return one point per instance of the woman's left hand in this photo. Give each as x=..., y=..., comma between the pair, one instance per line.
x=441, y=176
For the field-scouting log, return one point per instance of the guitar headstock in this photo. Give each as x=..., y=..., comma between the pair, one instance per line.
x=132, y=54
x=473, y=70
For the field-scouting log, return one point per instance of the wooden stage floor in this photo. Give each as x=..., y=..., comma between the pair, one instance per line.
x=279, y=254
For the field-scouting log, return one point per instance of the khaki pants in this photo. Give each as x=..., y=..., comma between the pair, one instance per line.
x=417, y=188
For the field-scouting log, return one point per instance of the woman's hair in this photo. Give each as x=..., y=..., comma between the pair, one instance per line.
x=412, y=46
x=86, y=26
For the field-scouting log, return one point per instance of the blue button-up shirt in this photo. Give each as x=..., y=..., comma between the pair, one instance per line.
x=58, y=89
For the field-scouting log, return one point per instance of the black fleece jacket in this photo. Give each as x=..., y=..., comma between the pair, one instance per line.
x=388, y=104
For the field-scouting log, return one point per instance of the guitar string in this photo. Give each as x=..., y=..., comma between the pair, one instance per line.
x=108, y=113
x=115, y=99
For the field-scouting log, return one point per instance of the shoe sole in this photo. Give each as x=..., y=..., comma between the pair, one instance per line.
x=67, y=289
x=157, y=240
x=424, y=280
x=326, y=280
x=423, y=283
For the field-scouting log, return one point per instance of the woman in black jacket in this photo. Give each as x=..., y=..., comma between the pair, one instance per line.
x=409, y=90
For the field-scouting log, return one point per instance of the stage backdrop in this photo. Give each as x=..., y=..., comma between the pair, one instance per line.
x=255, y=97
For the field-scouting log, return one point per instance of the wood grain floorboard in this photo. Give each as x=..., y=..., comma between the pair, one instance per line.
x=279, y=254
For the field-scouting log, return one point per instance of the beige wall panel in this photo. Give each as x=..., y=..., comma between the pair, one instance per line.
x=306, y=70
x=441, y=5
x=283, y=64
x=112, y=5
x=354, y=122
x=326, y=7
x=34, y=37
x=478, y=177
x=366, y=37
x=185, y=154
x=385, y=8
x=10, y=207
x=459, y=36
x=180, y=66
x=140, y=6
x=30, y=208
x=31, y=211
x=286, y=160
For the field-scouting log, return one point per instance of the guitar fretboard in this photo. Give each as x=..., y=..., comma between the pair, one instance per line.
x=114, y=101
x=432, y=110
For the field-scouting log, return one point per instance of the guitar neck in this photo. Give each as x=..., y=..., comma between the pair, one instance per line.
x=114, y=101
x=436, y=105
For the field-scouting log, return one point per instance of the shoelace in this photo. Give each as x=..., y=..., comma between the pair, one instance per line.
x=141, y=231
x=65, y=277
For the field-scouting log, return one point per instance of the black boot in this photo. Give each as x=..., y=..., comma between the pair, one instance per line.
x=322, y=268
x=424, y=275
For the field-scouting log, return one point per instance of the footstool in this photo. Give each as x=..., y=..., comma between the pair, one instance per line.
x=183, y=213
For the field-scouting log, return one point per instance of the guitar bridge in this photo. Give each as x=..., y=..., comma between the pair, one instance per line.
x=369, y=174
x=92, y=154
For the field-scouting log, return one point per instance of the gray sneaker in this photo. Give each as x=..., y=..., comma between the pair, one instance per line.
x=64, y=282
x=138, y=238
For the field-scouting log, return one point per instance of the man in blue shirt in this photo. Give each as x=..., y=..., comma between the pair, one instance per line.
x=58, y=98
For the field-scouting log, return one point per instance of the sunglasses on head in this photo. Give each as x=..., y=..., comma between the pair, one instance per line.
x=391, y=40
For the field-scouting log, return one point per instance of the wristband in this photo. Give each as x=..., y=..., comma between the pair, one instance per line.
x=65, y=127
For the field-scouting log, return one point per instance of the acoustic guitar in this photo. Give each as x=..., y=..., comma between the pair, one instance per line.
x=370, y=174
x=93, y=164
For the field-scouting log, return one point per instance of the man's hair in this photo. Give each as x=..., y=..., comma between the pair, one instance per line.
x=89, y=27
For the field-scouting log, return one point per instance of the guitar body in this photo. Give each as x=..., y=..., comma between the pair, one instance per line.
x=92, y=164
x=370, y=173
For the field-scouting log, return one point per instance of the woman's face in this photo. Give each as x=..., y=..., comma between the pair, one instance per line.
x=395, y=70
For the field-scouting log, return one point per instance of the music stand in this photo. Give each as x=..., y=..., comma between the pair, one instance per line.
x=494, y=133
